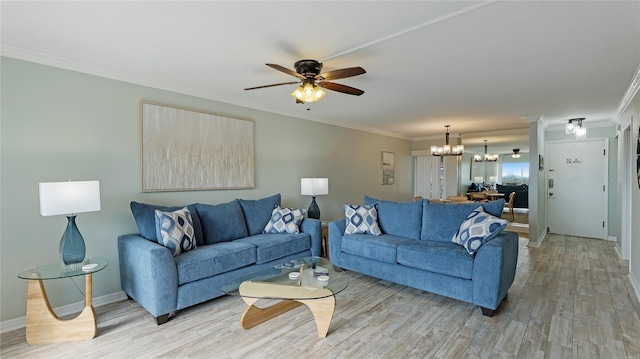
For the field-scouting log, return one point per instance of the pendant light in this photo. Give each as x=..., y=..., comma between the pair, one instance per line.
x=447, y=150
x=516, y=153
x=486, y=157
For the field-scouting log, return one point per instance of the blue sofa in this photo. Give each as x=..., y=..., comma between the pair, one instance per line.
x=416, y=250
x=230, y=243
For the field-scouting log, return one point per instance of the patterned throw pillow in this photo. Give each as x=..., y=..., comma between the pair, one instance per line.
x=479, y=228
x=175, y=230
x=285, y=220
x=361, y=219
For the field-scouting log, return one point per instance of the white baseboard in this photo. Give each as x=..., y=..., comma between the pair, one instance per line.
x=618, y=251
x=612, y=238
x=538, y=243
x=635, y=284
x=17, y=323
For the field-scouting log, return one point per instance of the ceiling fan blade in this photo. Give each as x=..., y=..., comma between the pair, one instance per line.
x=342, y=73
x=280, y=84
x=340, y=88
x=286, y=70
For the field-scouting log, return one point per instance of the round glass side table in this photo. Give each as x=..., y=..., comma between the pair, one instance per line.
x=43, y=325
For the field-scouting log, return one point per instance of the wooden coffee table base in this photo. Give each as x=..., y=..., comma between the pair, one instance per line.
x=44, y=326
x=322, y=308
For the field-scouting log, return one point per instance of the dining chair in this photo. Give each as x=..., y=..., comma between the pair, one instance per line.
x=509, y=205
x=417, y=198
x=478, y=196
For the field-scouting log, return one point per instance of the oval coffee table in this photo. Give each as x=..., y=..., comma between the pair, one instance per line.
x=274, y=283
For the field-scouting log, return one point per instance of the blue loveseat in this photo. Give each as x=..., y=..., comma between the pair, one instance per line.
x=230, y=243
x=416, y=249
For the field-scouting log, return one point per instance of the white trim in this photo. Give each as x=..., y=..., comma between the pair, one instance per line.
x=612, y=239
x=537, y=243
x=618, y=251
x=633, y=88
x=19, y=53
x=635, y=284
x=17, y=323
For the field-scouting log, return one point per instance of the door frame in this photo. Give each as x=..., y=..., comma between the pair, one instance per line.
x=626, y=182
x=605, y=179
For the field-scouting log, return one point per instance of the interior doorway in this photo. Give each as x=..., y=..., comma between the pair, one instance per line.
x=577, y=187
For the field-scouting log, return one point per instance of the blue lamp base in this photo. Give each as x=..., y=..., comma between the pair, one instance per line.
x=314, y=210
x=72, y=249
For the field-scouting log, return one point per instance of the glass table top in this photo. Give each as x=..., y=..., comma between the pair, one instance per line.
x=59, y=270
x=312, y=269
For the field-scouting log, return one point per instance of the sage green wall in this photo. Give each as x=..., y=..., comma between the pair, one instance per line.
x=613, y=214
x=60, y=125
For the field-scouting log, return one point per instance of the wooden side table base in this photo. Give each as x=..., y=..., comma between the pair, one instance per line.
x=321, y=308
x=45, y=327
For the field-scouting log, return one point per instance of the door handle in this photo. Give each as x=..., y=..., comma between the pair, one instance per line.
x=550, y=194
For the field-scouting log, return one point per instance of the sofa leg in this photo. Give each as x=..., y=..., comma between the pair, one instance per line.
x=129, y=297
x=162, y=319
x=487, y=312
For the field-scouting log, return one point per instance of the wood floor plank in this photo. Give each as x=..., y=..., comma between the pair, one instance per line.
x=571, y=298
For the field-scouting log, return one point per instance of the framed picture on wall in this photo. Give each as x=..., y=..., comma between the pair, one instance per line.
x=388, y=168
x=191, y=150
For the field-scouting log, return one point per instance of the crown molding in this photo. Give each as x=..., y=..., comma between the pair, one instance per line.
x=631, y=92
x=19, y=53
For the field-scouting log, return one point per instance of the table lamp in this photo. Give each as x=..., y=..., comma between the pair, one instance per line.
x=70, y=198
x=314, y=187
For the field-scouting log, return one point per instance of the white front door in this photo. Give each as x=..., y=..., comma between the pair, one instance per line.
x=577, y=187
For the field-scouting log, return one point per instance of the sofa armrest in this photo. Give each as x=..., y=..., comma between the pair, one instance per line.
x=336, y=231
x=313, y=227
x=148, y=274
x=494, y=269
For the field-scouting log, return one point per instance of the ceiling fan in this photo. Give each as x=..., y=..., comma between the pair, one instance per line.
x=311, y=80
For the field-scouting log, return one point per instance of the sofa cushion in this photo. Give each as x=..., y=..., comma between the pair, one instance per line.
x=258, y=212
x=145, y=217
x=440, y=221
x=361, y=219
x=285, y=220
x=382, y=248
x=439, y=257
x=478, y=229
x=175, y=230
x=214, y=259
x=402, y=219
x=270, y=247
x=222, y=222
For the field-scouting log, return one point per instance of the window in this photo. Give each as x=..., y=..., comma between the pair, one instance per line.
x=515, y=173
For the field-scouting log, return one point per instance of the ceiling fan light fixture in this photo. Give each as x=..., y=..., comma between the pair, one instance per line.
x=516, y=153
x=308, y=92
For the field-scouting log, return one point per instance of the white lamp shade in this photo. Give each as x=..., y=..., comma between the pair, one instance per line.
x=492, y=179
x=478, y=179
x=69, y=197
x=314, y=186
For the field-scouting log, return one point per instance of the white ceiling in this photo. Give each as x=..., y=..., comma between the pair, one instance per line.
x=478, y=66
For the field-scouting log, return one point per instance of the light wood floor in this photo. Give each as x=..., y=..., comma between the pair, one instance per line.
x=570, y=299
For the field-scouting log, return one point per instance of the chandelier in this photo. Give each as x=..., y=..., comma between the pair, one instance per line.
x=574, y=126
x=486, y=157
x=447, y=150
